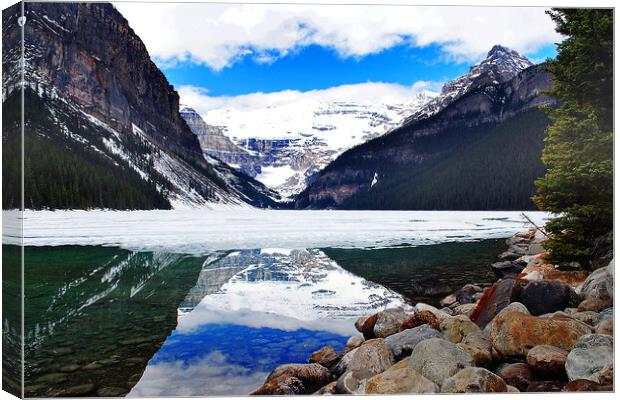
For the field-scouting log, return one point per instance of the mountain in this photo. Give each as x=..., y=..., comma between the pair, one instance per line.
x=477, y=146
x=501, y=65
x=285, y=145
x=103, y=128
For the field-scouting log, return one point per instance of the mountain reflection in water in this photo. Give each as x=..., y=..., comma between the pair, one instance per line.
x=106, y=321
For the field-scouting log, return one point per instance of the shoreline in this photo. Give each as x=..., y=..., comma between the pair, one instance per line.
x=531, y=330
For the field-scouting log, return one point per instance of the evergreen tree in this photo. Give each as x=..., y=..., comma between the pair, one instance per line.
x=579, y=144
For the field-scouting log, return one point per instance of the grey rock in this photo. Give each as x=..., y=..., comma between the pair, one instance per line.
x=439, y=359
x=403, y=380
x=402, y=343
x=389, y=321
x=591, y=355
x=473, y=380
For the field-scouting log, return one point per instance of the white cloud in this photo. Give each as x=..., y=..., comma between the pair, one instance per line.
x=370, y=93
x=218, y=35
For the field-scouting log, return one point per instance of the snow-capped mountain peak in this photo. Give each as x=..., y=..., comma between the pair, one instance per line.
x=283, y=145
x=500, y=65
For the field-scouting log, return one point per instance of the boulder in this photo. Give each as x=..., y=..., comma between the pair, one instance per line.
x=371, y=358
x=465, y=295
x=403, y=380
x=605, y=327
x=464, y=309
x=420, y=318
x=541, y=297
x=389, y=321
x=478, y=346
x=547, y=361
x=535, y=271
x=506, y=269
x=344, y=362
x=513, y=334
x=325, y=356
x=312, y=376
x=494, y=299
x=534, y=248
x=439, y=359
x=404, y=363
x=515, y=306
x=590, y=357
x=330, y=388
x=456, y=328
x=593, y=304
x=598, y=290
x=402, y=343
x=589, y=317
x=440, y=314
x=606, y=313
x=352, y=343
x=584, y=385
x=545, y=386
x=366, y=326
x=448, y=300
x=473, y=380
x=570, y=278
x=284, y=385
x=348, y=383
x=518, y=375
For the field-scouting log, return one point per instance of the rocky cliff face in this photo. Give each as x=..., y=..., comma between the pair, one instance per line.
x=489, y=97
x=93, y=71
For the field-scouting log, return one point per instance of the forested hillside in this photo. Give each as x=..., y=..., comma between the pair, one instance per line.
x=488, y=167
x=62, y=173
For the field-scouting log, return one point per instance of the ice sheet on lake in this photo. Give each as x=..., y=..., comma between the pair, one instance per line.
x=200, y=231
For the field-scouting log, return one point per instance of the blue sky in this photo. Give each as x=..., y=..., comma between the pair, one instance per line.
x=316, y=67
x=219, y=55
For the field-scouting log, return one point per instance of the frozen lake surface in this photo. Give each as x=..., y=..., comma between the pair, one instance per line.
x=201, y=231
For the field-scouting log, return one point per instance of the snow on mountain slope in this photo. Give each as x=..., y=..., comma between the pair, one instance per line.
x=283, y=145
x=500, y=65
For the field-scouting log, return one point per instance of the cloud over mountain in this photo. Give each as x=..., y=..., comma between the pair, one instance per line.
x=218, y=35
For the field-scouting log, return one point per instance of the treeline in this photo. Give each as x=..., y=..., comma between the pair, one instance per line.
x=62, y=173
x=579, y=144
x=488, y=167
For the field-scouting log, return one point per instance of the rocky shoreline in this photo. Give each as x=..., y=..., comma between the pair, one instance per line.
x=538, y=328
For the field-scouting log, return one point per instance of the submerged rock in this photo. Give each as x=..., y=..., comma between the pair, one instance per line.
x=591, y=358
x=513, y=334
x=439, y=359
x=473, y=380
x=403, y=380
x=506, y=269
